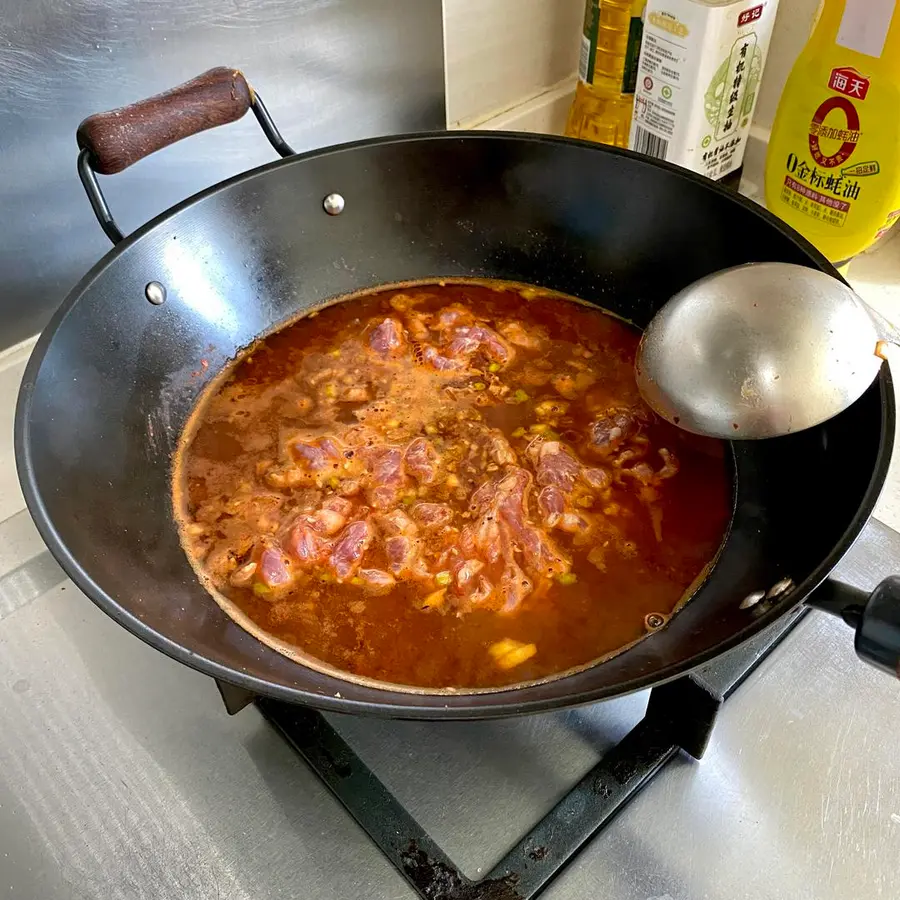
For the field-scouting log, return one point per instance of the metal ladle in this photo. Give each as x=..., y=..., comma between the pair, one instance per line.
x=759, y=351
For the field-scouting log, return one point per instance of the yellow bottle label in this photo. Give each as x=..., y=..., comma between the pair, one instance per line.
x=819, y=179
x=833, y=167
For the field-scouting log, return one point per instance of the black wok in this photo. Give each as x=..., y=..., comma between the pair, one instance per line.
x=114, y=377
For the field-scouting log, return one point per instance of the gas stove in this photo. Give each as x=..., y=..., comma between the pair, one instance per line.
x=679, y=716
x=122, y=775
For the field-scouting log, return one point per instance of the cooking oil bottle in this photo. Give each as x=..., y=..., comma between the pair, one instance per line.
x=698, y=80
x=833, y=164
x=604, y=96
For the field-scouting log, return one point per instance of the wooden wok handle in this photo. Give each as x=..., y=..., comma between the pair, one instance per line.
x=121, y=137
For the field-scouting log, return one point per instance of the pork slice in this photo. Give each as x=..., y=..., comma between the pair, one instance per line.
x=330, y=518
x=466, y=543
x=516, y=333
x=306, y=546
x=453, y=315
x=481, y=593
x=646, y=475
x=349, y=549
x=464, y=572
x=541, y=555
x=349, y=487
x=248, y=505
x=511, y=493
x=376, y=579
x=274, y=569
x=572, y=386
x=556, y=466
x=396, y=522
x=500, y=450
x=328, y=522
x=574, y=523
x=402, y=552
x=552, y=505
x=615, y=427
x=417, y=324
x=485, y=446
x=514, y=586
x=437, y=360
x=243, y=576
x=469, y=339
x=670, y=466
x=421, y=460
x=386, y=476
x=315, y=455
x=596, y=478
x=340, y=505
x=488, y=537
x=485, y=495
x=432, y=515
x=387, y=338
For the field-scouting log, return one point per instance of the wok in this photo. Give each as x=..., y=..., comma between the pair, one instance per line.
x=116, y=373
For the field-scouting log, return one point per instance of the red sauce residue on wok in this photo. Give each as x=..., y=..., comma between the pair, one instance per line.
x=448, y=486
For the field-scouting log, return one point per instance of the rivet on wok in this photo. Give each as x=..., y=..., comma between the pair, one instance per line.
x=778, y=589
x=752, y=599
x=654, y=621
x=155, y=293
x=333, y=204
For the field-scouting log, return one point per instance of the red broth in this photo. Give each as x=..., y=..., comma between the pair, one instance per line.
x=447, y=486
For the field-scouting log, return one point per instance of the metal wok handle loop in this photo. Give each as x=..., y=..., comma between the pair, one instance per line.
x=874, y=616
x=112, y=141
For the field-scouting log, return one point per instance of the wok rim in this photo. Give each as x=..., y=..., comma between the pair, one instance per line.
x=436, y=706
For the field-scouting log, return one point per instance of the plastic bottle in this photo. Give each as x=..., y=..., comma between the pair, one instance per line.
x=604, y=96
x=698, y=80
x=833, y=164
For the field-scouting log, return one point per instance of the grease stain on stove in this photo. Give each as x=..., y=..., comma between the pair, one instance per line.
x=435, y=880
x=601, y=789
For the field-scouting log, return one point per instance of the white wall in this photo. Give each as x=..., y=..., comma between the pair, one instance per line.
x=502, y=53
x=512, y=63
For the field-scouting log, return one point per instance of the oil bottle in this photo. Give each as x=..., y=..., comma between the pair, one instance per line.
x=698, y=80
x=833, y=163
x=604, y=97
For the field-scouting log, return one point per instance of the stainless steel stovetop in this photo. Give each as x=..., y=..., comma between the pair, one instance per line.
x=121, y=776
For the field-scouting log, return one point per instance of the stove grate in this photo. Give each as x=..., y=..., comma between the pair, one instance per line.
x=680, y=717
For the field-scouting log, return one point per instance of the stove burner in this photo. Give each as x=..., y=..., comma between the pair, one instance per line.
x=680, y=716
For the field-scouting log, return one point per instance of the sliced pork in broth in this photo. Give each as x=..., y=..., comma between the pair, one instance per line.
x=451, y=485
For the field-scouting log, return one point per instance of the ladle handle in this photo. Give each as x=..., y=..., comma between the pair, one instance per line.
x=887, y=331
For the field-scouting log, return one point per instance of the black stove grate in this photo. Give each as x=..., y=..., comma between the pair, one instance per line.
x=680, y=716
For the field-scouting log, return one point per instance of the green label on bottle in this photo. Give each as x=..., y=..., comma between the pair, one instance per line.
x=589, y=41
x=632, y=53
